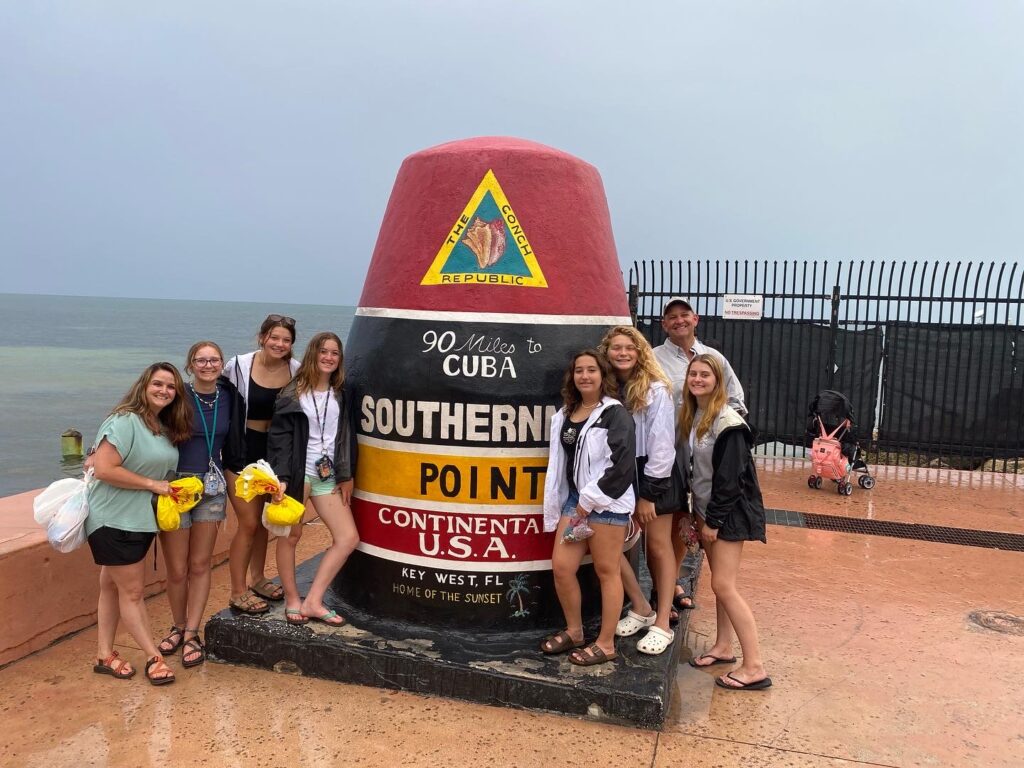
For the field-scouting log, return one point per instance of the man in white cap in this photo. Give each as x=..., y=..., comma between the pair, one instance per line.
x=680, y=324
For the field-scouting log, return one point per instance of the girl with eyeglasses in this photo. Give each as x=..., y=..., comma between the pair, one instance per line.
x=259, y=376
x=218, y=439
x=311, y=453
x=647, y=395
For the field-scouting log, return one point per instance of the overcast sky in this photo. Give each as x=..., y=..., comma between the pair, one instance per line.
x=246, y=150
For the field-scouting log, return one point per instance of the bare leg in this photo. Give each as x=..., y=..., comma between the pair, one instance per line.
x=565, y=562
x=725, y=567
x=258, y=558
x=661, y=560
x=132, y=604
x=339, y=521
x=679, y=546
x=286, y=562
x=248, y=514
x=175, y=546
x=201, y=543
x=107, y=615
x=606, y=548
x=639, y=603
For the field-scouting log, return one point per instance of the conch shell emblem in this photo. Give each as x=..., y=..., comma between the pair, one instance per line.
x=486, y=240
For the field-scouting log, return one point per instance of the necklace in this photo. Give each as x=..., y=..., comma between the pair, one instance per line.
x=588, y=407
x=204, y=401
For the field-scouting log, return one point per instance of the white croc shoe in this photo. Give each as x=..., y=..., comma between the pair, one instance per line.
x=632, y=623
x=656, y=641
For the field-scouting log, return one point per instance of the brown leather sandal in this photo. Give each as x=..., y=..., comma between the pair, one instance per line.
x=191, y=647
x=591, y=656
x=560, y=642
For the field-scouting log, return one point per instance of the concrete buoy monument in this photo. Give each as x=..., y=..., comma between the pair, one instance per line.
x=495, y=261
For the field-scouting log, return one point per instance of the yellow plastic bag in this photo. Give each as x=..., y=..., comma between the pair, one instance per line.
x=288, y=512
x=256, y=479
x=187, y=491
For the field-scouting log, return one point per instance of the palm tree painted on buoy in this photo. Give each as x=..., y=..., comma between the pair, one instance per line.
x=518, y=587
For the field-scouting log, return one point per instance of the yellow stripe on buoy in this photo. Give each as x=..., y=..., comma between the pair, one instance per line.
x=456, y=479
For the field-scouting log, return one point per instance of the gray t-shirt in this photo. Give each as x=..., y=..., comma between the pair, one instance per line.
x=142, y=452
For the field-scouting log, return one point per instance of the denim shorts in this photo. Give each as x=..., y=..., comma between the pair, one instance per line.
x=601, y=518
x=318, y=487
x=210, y=509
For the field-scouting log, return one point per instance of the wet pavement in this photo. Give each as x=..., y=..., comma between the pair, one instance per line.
x=868, y=639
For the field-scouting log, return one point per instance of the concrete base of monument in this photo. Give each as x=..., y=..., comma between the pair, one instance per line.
x=497, y=669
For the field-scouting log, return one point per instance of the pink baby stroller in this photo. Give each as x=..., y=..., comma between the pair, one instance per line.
x=835, y=453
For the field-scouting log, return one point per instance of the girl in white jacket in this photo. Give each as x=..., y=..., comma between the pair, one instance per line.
x=591, y=467
x=647, y=396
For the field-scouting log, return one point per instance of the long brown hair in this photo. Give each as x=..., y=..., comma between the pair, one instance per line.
x=719, y=397
x=276, y=321
x=571, y=396
x=308, y=375
x=646, y=371
x=176, y=418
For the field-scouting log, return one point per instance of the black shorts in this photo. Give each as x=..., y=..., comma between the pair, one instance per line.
x=255, y=446
x=112, y=546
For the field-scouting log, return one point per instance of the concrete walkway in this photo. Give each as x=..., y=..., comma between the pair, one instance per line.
x=868, y=639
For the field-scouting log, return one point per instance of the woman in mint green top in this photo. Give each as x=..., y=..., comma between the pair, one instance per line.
x=135, y=454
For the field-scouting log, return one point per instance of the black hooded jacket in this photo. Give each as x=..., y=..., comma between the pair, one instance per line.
x=289, y=437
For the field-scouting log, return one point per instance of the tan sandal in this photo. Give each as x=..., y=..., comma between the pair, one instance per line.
x=247, y=602
x=268, y=590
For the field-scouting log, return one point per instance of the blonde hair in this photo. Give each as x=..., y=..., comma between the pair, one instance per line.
x=717, y=402
x=308, y=374
x=644, y=373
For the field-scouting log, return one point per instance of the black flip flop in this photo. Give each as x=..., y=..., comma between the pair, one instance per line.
x=754, y=685
x=717, y=660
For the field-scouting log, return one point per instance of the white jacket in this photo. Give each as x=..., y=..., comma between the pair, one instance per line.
x=656, y=441
x=239, y=371
x=605, y=463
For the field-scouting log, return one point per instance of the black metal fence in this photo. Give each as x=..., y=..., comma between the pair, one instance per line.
x=929, y=353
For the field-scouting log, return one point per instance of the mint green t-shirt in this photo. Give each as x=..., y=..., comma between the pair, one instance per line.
x=142, y=452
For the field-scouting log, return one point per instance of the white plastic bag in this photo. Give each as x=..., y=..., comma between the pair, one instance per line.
x=46, y=504
x=66, y=529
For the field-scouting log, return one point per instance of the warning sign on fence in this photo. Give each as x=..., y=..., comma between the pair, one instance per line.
x=742, y=306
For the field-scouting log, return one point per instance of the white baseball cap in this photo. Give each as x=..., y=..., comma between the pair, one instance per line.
x=677, y=300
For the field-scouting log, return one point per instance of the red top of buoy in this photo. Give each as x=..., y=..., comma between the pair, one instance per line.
x=497, y=225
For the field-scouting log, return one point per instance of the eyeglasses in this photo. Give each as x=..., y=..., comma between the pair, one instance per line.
x=206, y=362
x=282, y=319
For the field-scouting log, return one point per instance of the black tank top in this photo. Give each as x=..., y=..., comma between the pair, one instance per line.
x=260, y=402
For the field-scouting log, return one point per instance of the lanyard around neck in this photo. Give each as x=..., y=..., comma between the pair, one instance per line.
x=321, y=424
x=208, y=432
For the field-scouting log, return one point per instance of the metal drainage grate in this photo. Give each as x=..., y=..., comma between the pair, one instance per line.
x=940, y=534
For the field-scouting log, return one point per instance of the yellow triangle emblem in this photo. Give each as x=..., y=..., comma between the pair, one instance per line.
x=487, y=245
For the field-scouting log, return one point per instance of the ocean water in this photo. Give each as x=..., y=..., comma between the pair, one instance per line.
x=65, y=361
